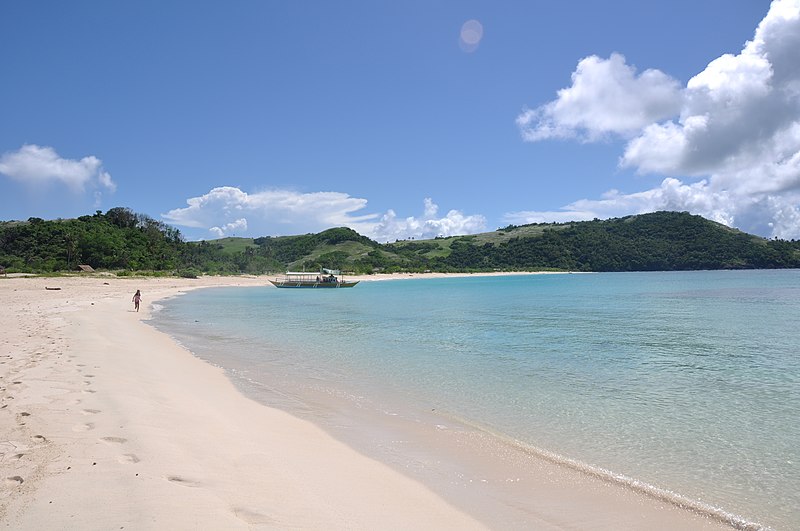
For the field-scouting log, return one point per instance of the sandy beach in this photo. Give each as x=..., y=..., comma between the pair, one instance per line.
x=108, y=423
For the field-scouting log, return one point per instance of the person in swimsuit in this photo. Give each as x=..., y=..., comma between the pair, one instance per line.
x=137, y=297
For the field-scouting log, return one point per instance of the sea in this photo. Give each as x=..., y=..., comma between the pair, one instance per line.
x=682, y=384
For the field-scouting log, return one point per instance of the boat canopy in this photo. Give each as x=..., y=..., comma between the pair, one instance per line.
x=325, y=278
x=313, y=273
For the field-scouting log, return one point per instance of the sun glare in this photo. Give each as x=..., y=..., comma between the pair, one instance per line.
x=471, y=35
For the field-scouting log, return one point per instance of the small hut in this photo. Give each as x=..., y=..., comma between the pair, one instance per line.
x=86, y=268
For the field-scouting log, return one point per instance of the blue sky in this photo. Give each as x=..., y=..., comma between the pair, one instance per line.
x=401, y=119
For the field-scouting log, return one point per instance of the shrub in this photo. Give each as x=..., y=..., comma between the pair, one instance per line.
x=188, y=273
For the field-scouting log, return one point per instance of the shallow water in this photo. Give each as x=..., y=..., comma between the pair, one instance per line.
x=689, y=381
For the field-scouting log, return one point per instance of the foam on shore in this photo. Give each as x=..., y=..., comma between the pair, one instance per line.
x=665, y=495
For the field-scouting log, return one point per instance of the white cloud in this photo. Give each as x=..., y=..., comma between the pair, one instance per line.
x=735, y=128
x=274, y=212
x=281, y=210
x=455, y=223
x=33, y=164
x=228, y=228
x=671, y=195
x=606, y=96
x=766, y=214
x=740, y=113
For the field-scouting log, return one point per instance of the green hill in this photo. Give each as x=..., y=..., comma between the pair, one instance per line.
x=647, y=242
x=234, y=245
x=123, y=240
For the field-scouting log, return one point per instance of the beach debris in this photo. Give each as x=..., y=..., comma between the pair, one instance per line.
x=51, y=289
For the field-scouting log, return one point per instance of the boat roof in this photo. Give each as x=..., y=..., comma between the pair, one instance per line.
x=313, y=273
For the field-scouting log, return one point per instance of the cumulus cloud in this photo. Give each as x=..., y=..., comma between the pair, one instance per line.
x=740, y=113
x=226, y=209
x=298, y=212
x=606, y=96
x=671, y=195
x=391, y=227
x=228, y=228
x=776, y=215
x=730, y=138
x=36, y=165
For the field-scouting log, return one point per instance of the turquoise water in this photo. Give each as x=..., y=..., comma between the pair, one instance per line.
x=688, y=381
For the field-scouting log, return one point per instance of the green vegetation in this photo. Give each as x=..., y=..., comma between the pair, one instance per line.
x=650, y=242
x=125, y=242
x=118, y=239
x=233, y=245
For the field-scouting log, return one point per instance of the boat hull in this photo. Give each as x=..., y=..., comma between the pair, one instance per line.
x=302, y=284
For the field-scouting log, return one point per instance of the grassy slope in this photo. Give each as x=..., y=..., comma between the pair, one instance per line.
x=234, y=245
x=662, y=230
x=495, y=237
x=356, y=250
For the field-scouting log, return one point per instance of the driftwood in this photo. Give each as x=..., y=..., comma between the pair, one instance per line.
x=52, y=289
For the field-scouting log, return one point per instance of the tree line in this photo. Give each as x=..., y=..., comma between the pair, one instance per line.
x=124, y=241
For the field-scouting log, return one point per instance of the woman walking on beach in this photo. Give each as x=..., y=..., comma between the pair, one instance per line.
x=137, y=297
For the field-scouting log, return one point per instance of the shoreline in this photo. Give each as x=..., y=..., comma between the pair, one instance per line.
x=105, y=406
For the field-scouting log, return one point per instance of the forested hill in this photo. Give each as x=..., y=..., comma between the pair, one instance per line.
x=660, y=241
x=123, y=241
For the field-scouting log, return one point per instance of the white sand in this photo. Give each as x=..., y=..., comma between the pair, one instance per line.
x=107, y=423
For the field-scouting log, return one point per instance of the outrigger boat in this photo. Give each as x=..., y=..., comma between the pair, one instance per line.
x=326, y=278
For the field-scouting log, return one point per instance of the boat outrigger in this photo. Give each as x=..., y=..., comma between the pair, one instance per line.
x=326, y=278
